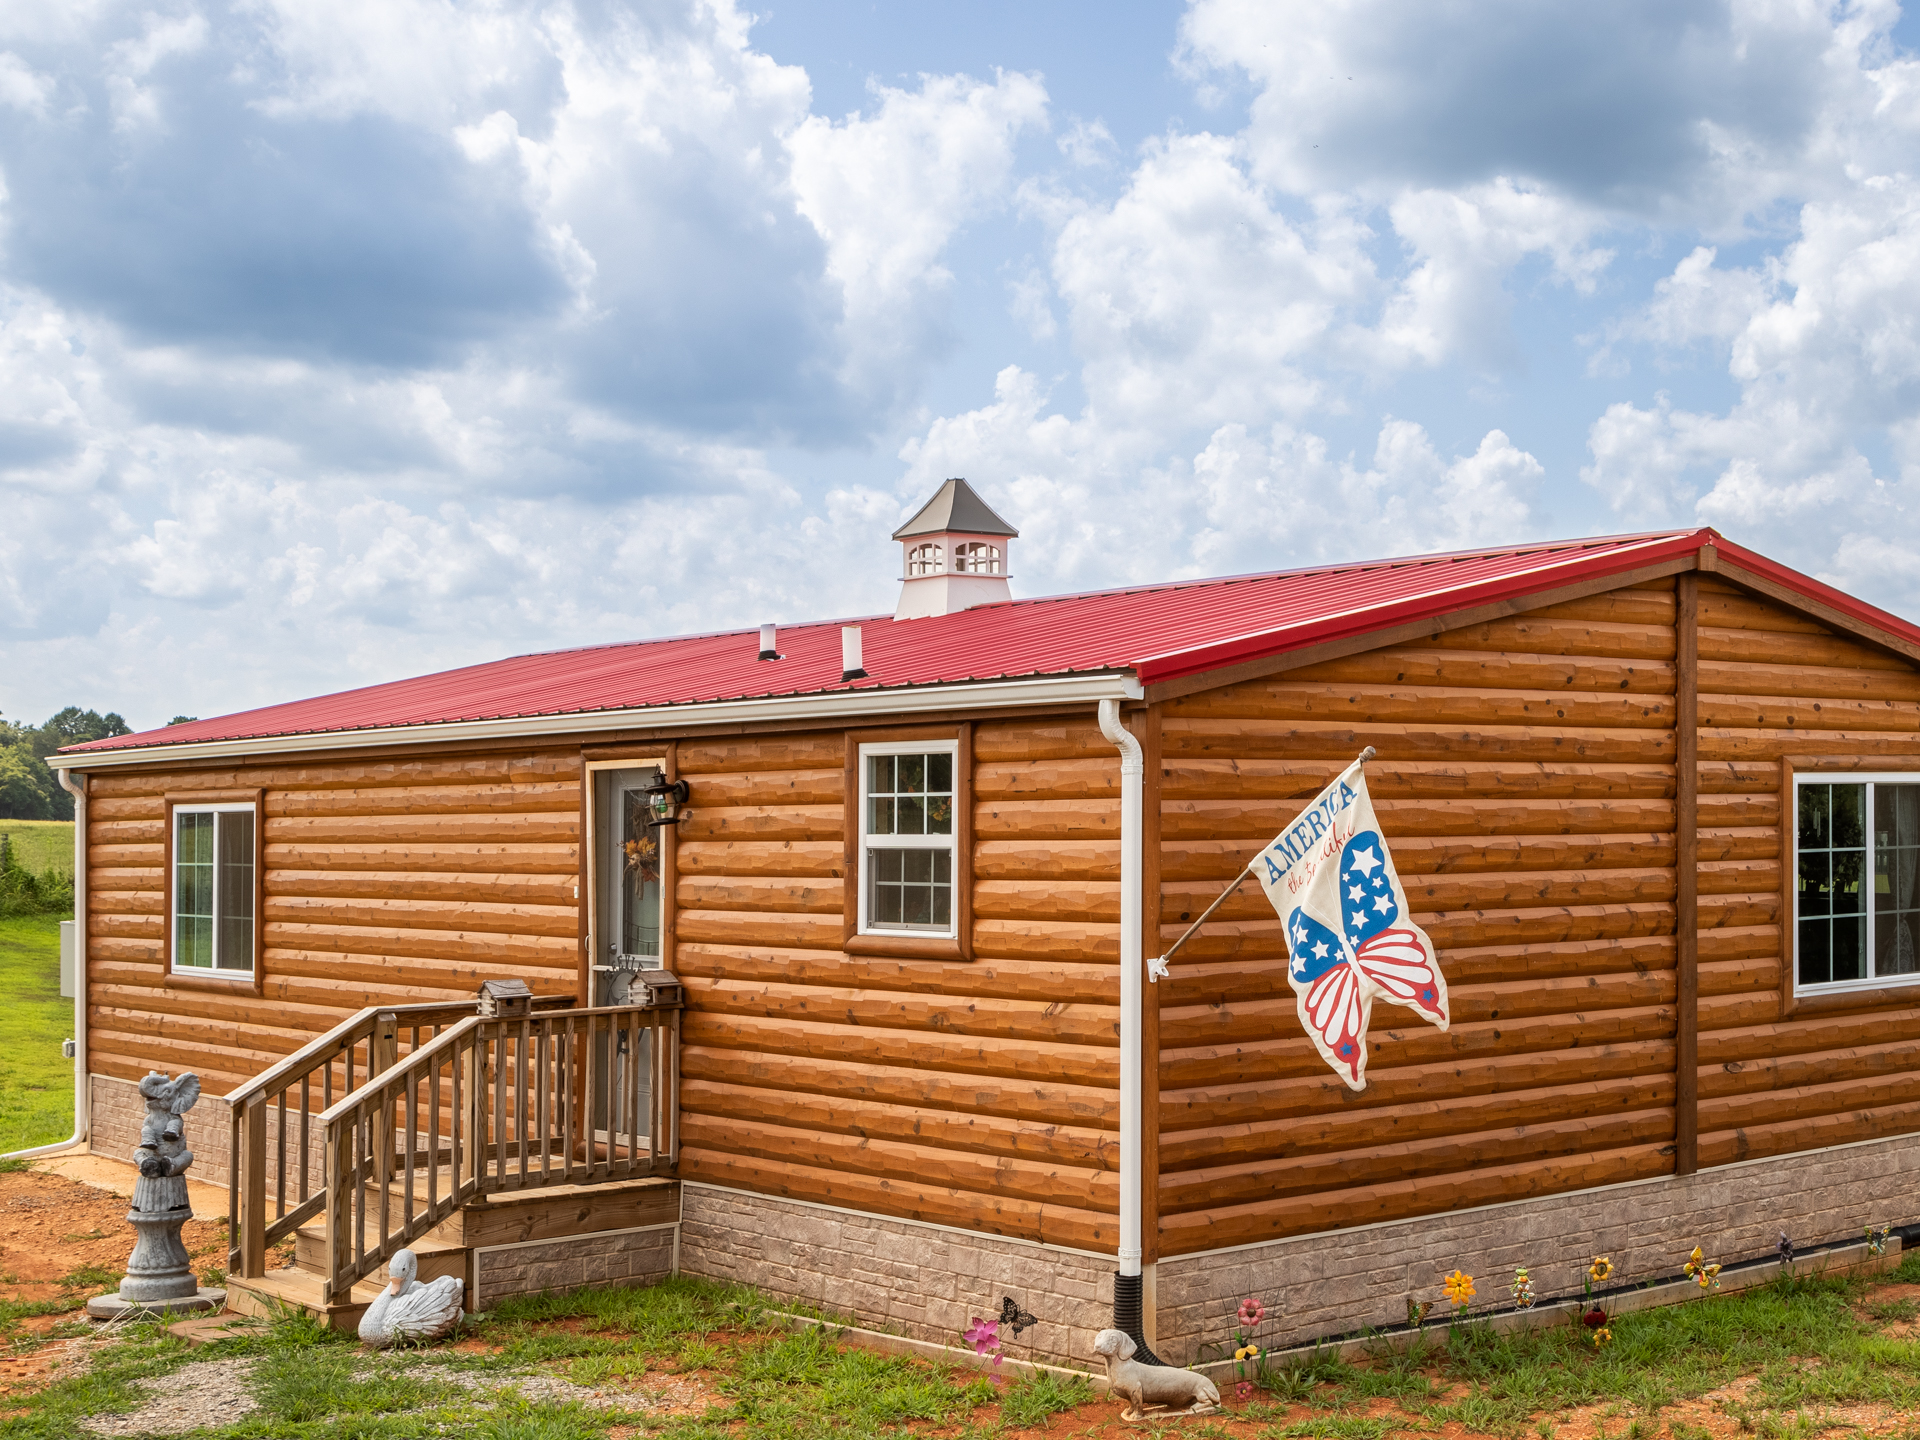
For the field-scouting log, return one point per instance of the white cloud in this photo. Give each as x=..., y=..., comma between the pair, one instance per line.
x=888, y=190
x=1087, y=142
x=21, y=87
x=1193, y=298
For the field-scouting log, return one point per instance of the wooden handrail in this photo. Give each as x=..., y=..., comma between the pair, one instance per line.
x=307, y=1058
x=359, y=1025
x=286, y=1087
x=516, y=1087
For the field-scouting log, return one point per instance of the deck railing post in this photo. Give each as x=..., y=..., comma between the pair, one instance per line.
x=383, y=1050
x=253, y=1188
x=479, y=1110
x=339, y=1206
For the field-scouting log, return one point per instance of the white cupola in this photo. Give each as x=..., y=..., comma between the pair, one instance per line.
x=954, y=555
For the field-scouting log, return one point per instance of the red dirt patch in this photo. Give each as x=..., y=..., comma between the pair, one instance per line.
x=52, y=1227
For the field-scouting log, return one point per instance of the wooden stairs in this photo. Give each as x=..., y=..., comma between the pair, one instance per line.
x=451, y=1129
x=451, y=1248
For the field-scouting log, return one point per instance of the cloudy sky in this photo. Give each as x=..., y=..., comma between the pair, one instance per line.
x=346, y=341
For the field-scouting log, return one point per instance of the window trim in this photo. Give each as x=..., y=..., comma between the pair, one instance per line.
x=908, y=944
x=194, y=978
x=1837, y=994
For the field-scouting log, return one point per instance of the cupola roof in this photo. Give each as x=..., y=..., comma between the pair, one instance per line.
x=955, y=506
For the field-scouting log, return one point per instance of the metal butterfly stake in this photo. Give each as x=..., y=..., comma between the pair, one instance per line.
x=1013, y=1317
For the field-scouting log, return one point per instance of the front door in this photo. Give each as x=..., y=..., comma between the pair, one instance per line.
x=627, y=932
x=628, y=876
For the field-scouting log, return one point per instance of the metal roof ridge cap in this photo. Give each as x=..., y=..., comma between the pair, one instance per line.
x=1389, y=562
x=1393, y=608
x=1111, y=681
x=1816, y=589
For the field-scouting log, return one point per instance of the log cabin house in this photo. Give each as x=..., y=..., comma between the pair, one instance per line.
x=834, y=935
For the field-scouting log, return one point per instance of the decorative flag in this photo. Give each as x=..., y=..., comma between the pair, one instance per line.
x=1349, y=937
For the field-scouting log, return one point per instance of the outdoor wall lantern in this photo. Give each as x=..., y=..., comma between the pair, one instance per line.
x=664, y=800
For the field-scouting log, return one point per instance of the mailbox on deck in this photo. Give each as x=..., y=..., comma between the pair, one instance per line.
x=657, y=987
x=502, y=999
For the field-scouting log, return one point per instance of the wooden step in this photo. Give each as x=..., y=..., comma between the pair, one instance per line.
x=554, y=1212
x=437, y=1257
x=302, y=1291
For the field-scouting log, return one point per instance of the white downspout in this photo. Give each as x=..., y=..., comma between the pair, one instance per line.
x=1132, y=990
x=82, y=1106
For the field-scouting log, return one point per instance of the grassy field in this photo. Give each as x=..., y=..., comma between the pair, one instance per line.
x=42, y=844
x=36, y=1083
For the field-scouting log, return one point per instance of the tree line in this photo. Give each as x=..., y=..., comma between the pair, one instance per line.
x=28, y=790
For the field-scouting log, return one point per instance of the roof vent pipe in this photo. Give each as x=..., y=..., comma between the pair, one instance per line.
x=769, y=643
x=850, y=664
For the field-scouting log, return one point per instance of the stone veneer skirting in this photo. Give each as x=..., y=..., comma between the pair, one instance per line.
x=1340, y=1281
x=928, y=1281
x=605, y=1257
x=903, y=1276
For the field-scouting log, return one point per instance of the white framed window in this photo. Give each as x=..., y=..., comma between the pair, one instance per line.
x=1856, y=889
x=907, y=806
x=924, y=559
x=211, y=919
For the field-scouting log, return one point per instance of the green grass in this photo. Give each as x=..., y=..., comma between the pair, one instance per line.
x=772, y=1382
x=1800, y=1337
x=36, y=1083
x=42, y=844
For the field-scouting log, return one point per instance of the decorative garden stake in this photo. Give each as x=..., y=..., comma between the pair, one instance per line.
x=1877, y=1239
x=1523, y=1296
x=1703, y=1272
x=1786, y=1251
x=1460, y=1292
x=1250, y=1313
x=1152, y=1389
x=159, y=1277
x=1417, y=1312
x=410, y=1309
x=1595, y=1318
x=984, y=1337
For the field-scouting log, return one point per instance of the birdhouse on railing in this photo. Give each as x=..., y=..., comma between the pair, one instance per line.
x=656, y=988
x=504, y=999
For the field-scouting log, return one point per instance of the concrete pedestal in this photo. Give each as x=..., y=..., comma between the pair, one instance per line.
x=113, y=1307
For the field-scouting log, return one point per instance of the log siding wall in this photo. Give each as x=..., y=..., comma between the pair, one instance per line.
x=1775, y=1077
x=1526, y=779
x=977, y=1094
x=384, y=881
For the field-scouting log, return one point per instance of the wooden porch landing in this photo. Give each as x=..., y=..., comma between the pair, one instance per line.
x=553, y=1212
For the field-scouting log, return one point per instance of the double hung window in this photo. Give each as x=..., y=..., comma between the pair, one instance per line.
x=1857, y=881
x=907, y=811
x=212, y=889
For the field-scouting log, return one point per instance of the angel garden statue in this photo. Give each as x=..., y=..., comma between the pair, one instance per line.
x=160, y=1273
x=410, y=1308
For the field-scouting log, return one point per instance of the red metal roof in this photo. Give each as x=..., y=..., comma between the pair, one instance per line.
x=1157, y=632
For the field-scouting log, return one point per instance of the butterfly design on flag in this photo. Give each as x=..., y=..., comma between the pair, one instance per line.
x=1349, y=940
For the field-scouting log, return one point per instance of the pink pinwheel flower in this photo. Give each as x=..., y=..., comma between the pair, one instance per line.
x=1252, y=1312
x=983, y=1336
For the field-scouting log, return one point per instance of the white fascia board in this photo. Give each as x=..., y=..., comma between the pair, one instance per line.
x=844, y=705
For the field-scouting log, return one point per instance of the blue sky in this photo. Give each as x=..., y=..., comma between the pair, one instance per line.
x=345, y=342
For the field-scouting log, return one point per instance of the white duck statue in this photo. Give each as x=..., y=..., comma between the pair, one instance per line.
x=409, y=1308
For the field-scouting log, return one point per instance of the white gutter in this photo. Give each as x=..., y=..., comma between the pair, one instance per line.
x=1132, y=988
x=838, y=705
x=82, y=1100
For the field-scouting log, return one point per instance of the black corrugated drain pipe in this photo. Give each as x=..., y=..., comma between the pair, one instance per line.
x=1126, y=1317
